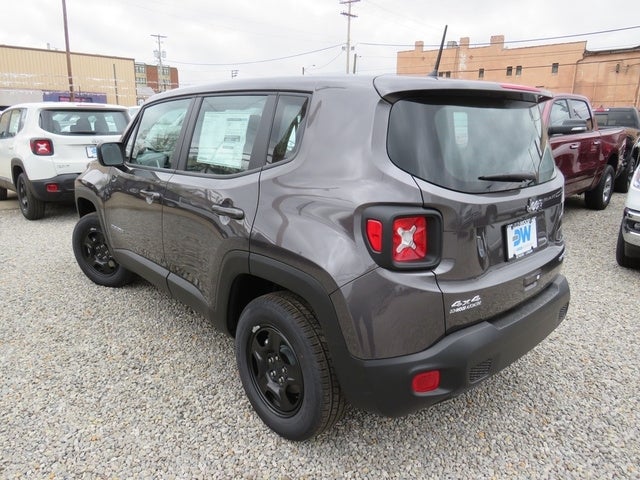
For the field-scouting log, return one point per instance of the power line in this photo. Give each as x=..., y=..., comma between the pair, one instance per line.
x=258, y=61
x=542, y=39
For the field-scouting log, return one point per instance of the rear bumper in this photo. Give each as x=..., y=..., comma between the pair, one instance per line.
x=464, y=358
x=65, y=188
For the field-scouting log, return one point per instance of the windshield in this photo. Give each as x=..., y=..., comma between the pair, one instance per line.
x=471, y=146
x=85, y=121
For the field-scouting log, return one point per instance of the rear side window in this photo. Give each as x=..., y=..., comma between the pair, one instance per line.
x=458, y=145
x=84, y=122
x=287, y=127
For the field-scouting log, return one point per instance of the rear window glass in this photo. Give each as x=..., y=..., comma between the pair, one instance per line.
x=618, y=118
x=473, y=146
x=84, y=122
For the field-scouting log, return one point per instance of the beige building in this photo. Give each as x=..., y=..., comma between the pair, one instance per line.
x=29, y=73
x=607, y=78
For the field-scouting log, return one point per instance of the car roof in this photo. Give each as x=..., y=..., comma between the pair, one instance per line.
x=386, y=85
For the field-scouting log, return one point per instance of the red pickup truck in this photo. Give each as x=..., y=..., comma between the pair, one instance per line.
x=590, y=159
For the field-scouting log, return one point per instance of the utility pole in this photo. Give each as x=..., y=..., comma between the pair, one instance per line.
x=349, y=16
x=159, y=54
x=72, y=97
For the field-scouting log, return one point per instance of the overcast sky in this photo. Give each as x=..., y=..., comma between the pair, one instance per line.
x=207, y=39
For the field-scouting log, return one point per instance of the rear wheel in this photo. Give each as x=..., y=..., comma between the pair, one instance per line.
x=600, y=196
x=93, y=255
x=3, y=193
x=284, y=367
x=623, y=182
x=31, y=207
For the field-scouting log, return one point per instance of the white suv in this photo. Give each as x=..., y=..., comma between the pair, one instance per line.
x=44, y=146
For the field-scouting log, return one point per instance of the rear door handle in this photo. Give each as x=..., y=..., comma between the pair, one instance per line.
x=574, y=146
x=231, y=212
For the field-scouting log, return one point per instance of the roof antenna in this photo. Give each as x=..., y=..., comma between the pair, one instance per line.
x=434, y=73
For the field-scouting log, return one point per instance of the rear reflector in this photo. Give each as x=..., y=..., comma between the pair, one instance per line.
x=374, y=234
x=426, y=381
x=52, y=187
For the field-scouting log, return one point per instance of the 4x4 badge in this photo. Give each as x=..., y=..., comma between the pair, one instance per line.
x=534, y=205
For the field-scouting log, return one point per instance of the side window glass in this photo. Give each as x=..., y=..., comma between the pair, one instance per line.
x=559, y=113
x=287, y=127
x=580, y=109
x=225, y=133
x=11, y=122
x=154, y=144
x=4, y=125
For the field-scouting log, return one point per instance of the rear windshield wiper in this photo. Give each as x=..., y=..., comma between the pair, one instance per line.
x=510, y=177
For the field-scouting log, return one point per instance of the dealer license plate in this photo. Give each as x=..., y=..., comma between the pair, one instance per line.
x=522, y=238
x=91, y=151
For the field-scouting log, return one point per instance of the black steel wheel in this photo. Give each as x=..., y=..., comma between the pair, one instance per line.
x=284, y=367
x=31, y=207
x=93, y=255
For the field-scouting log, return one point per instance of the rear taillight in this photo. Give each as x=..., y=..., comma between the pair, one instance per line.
x=41, y=146
x=409, y=239
x=402, y=238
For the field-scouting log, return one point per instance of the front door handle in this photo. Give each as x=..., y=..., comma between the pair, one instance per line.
x=150, y=195
x=231, y=212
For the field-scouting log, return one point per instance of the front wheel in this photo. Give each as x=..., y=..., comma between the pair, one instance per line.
x=284, y=367
x=600, y=196
x=31, y=207
x=93, y=255
x=622, y=258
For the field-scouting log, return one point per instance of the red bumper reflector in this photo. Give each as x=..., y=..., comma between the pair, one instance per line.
x=426, y=381
x=374, y=235
x=52, y=187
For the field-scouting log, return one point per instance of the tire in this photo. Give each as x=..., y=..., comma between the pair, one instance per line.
x=285, y=368
x=623, y=182
x=600, y=196
x=31, y=207
x=621, y=257
x=3, y=193
x=93, y=255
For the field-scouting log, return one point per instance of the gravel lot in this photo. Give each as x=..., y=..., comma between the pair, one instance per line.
x=100, y=383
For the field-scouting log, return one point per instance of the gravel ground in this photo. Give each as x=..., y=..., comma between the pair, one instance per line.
x=102, y=384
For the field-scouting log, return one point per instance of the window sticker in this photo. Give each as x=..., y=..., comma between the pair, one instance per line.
x=222, y=138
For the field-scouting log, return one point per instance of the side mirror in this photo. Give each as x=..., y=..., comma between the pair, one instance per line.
x=110, y=154
x=568, y=126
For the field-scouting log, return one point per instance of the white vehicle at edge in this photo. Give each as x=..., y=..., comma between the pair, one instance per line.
x=44, y=146
x=628, y=246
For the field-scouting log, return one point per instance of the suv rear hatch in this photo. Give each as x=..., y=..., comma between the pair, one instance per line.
x=480, y=156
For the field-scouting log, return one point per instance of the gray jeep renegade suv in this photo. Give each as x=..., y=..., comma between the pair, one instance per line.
x=389, y=242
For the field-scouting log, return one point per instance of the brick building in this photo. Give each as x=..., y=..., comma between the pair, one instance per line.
x=606, y=77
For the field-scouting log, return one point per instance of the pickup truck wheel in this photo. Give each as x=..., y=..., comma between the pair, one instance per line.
x=93, y=255
x=600, y=196
x=623, y=182
x=31, y=207
x=284, y=367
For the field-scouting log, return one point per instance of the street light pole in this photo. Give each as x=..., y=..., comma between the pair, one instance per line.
x=72, y=97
